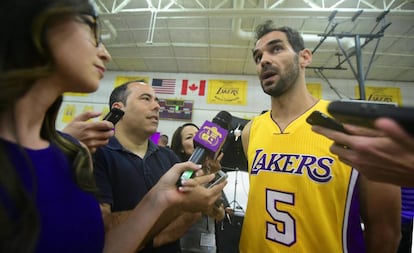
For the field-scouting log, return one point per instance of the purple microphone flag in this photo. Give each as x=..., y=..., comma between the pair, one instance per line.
x=211, y=136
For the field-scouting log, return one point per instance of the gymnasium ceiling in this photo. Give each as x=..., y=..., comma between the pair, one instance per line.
x=215, y=36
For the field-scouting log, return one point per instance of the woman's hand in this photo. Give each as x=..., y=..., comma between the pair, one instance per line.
x=191, y=196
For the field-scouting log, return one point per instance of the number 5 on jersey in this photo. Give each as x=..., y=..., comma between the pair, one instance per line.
x=287, y=236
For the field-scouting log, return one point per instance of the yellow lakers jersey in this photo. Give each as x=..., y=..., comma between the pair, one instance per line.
x=301, y=197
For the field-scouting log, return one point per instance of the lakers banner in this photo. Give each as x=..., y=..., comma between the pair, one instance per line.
x=123, y=79
x=315, y=89
x=230, y=92
x=381, y=94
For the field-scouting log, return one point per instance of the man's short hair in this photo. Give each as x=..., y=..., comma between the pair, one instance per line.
x=120, y=93
x=293, y=36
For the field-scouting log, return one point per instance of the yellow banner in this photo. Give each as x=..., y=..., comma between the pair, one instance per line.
x=123, y=79
x=75, y=94
x=68, y=113
x=315, y=89
x=88, y=108
x=381, y=94
x=229, y=92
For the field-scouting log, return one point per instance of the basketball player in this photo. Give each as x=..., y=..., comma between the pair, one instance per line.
x=302, y=198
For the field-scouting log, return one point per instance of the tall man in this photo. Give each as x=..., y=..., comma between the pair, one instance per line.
x=127, y=168
x=301, y=197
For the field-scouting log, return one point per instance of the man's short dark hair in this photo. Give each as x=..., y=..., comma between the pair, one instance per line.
x=120, y=93
x=293, y=36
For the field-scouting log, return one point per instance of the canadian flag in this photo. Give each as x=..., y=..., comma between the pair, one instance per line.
x=193, y=88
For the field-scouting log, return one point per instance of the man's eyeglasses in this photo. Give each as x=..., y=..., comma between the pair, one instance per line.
x=93, y=23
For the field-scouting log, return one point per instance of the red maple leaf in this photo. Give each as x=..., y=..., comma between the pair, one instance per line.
x=193, y=87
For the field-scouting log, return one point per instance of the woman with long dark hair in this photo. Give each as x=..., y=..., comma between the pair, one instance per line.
x=201, y=237
x=49, y=47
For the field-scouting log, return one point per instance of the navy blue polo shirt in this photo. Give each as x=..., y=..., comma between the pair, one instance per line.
x=123, y=178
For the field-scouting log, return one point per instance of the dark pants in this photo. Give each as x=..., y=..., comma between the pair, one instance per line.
x=228, y=235
x=407, y=231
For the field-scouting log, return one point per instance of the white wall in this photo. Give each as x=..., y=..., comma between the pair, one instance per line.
x=257, y=101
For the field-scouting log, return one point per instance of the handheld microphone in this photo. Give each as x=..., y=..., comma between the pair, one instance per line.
x=208, y=140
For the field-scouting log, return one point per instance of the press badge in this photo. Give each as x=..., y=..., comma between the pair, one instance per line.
x=208, y=240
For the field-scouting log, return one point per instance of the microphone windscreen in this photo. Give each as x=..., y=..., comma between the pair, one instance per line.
x=223, y=119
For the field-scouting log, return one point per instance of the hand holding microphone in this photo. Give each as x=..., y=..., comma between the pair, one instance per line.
x=208, y=140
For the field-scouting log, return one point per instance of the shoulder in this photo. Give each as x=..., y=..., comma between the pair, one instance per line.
x=113, y=144
x=113, y=151
x=162, y=153
x=254, y=121
x=246, y=129
x=168, y=152
x=260, y=120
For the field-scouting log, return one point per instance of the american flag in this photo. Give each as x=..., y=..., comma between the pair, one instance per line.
x=164, y=86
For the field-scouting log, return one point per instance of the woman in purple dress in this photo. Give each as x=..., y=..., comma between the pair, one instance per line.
x=47, y=201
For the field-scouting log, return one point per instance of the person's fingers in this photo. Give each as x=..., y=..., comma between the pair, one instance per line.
x=199, y=173
x=336, y=136
x=204, y=179
x=184, y=166
x=94, y=143
x=363, y=131
x=219, y=187
x=186, y=187
x=395, y=131
x=211, y=166
x=94, y=136
x=101, y=125
x=220, y=156
x=341, y=151
x=87, y=115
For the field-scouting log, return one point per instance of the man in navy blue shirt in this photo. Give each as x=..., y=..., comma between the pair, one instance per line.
x=127, y=168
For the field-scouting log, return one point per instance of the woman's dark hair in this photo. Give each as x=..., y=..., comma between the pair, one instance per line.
x=293, y=36
x=177, y=145
x=25, y=56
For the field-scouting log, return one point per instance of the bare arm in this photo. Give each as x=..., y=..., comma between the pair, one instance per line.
x=245, y=137
x=180, y=225
x=176, y=229
x=129, y=231
x=381, y=214
x=172, y=231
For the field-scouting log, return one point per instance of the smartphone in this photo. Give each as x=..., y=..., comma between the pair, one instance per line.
x=220, y=177
x=364, y=113
x=321, y=119
x=114, y=115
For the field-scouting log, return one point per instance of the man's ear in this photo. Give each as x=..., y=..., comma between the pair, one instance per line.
x=305, y=58
x=118, y=105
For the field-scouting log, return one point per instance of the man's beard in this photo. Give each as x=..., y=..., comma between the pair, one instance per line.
x=286, y=81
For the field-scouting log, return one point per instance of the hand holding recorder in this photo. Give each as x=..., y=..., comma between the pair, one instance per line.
x=364, y=113
x=387, y=156
x=93, y=134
